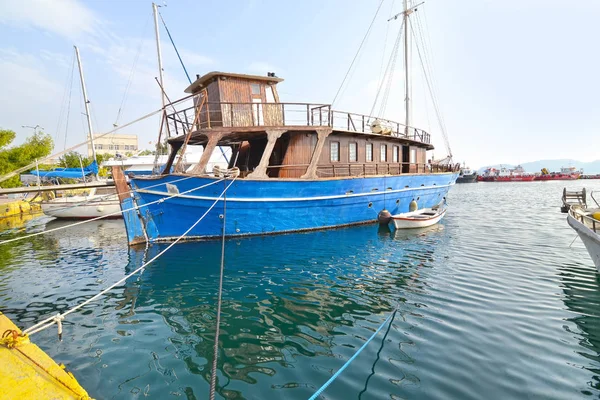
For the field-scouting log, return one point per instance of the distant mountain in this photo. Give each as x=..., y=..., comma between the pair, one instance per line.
x=592, y=167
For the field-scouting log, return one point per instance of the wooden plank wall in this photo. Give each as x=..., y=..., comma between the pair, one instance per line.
x=214, y=96
x=299, y=152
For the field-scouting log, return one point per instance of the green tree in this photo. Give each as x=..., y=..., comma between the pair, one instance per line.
x=73, y=159
x=37, y=146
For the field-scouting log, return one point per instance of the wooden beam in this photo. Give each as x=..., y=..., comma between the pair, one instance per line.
x=260, y=172
x=213, y=140
x=311, y=171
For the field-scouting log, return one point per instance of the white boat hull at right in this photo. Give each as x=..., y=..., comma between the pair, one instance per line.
x=590, y=239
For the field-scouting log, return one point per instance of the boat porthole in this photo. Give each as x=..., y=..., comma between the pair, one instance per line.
x=220, y=216
x=398, y=201
x=406, y=186
x=370, y=205
x=418, y=198
x=422, y=184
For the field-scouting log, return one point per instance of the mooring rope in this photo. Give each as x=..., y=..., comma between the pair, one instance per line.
x=100, y=198
x=112, y=214
x=390, y=318
x=58, y=318
x=213, y=378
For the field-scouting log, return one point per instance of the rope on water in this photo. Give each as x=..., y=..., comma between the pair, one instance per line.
x=58, y=318
x=390, y=318
x=114, y=213
x=213, y=377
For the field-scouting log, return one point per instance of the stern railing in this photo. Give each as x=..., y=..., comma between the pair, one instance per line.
x=275, y=115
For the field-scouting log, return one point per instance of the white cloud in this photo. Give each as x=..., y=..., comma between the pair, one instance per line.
x=68, y=18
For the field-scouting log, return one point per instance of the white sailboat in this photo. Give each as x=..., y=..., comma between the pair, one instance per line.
x=94, y=204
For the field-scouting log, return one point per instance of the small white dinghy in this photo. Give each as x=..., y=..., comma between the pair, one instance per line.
x=420, y=218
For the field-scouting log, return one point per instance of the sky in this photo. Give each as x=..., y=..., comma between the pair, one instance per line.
x=515, y=80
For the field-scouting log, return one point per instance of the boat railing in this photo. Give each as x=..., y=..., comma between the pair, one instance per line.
x=277, y=115
x=590, y=222
x=372, y=168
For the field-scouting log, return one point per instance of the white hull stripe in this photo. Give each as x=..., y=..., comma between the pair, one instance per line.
x=279, y=199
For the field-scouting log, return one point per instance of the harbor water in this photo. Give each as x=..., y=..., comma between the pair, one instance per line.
x=492, y=303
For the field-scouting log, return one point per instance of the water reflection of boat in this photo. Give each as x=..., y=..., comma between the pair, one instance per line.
x=16, y=222
x=276, y=314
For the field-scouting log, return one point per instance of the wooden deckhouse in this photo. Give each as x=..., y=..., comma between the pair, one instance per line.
x=271, y=139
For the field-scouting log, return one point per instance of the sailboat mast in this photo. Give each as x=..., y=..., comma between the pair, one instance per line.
x=86, y=103
x=406, y=68
x=158, y=52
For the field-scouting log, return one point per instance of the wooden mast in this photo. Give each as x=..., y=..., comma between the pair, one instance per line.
x=86, y=103
x=159, y=55
x=406, y=69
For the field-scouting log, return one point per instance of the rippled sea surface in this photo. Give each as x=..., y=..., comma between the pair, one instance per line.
x=493, y=303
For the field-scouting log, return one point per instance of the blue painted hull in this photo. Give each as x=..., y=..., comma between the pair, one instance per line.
x=259, y=207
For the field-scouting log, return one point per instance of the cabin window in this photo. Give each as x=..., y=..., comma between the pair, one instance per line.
x=352, y=146
x=383, y=152
x=334, y=153
x=369, y=152
x=395, y=153
x=255, y=87
x=413, y=156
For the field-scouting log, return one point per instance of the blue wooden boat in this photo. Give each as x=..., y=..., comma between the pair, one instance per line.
x=302, y=166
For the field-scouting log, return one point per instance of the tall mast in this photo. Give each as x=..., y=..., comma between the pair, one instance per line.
x=406, y=68
x=86, y=103
x=158, y=52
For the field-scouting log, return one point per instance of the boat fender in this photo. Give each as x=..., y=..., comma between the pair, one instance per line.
x=413, y=206
x=384, y=217
x=596, y=215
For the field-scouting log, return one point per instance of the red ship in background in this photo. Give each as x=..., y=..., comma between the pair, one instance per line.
x=565, y=174
x=517, y=174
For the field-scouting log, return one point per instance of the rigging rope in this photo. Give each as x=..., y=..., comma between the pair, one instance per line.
x=213, y=377
x=132, y=72
x=358, y=52
x=112, y=214
x=388, y=71
x=31, y=165
x=175, y=47
x=433, y=98
x=69, y=106
x=390, y=318
x=68, y=88
x=58, y=318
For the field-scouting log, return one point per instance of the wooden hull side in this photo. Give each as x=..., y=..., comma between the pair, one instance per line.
x=262, y=207
x=590, y=239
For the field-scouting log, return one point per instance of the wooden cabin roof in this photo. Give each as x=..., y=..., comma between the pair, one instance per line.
x=206, y=78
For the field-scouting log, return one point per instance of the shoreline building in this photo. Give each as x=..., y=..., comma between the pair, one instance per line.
x=114, y=144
